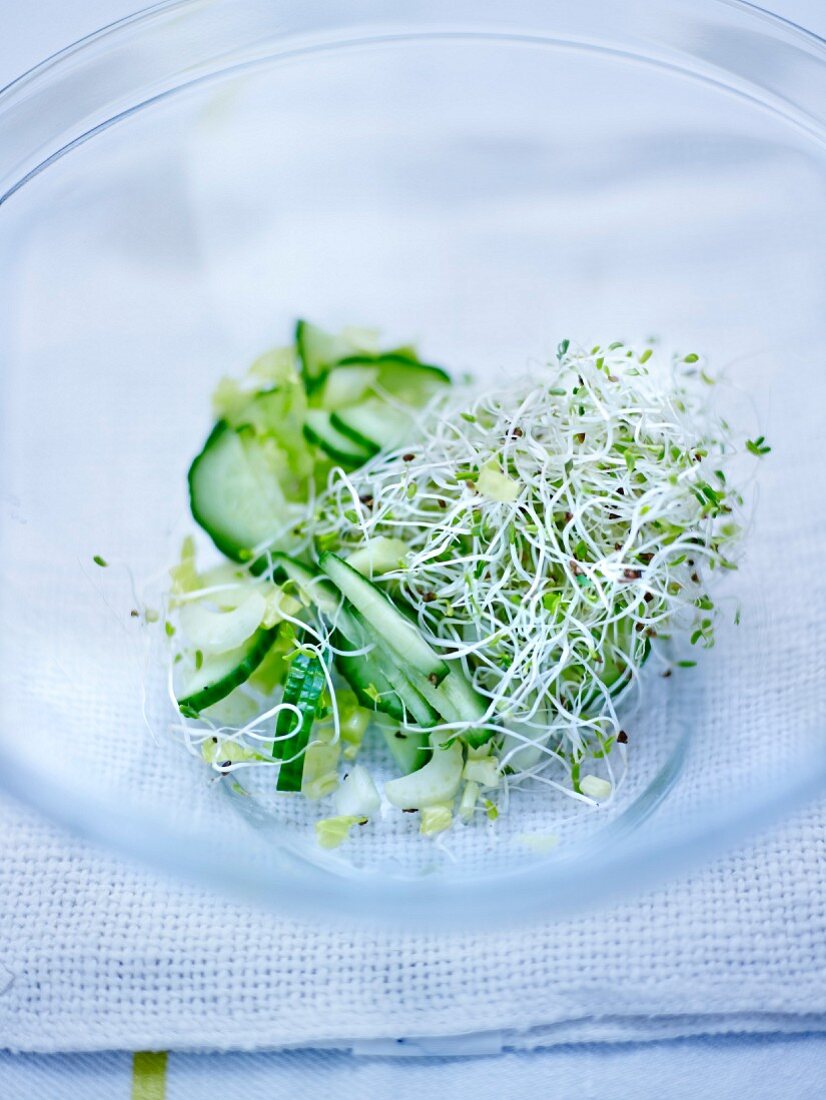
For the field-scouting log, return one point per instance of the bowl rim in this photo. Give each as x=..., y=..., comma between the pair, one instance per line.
x=312, y=888
x=150, y=11
x=370, y=26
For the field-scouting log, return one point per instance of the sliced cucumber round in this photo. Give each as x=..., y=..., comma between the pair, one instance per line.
x=347, y=385
x=319, y=350
x=340, y=447
x=220, y=673
x=374, y=424
x=235, y=495
x=397, y=373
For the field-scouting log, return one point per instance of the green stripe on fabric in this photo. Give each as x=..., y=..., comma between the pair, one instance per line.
x=148, y=1075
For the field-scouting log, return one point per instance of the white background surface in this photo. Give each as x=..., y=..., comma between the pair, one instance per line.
x=712, y=1068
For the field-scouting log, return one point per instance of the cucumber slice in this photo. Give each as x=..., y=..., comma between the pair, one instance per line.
x=222, y=673
x=347, y=385
x=435, y=783
x=219, y=631
x=372, y=689
x=406, y=379
x=388, y=623
x=319, y=350
x=409, y=749
x=304, y=688
x=374, y=424
x=378, y=670
x=315, y=588
x=235, y=496
x=454, y=700
x=341, y=448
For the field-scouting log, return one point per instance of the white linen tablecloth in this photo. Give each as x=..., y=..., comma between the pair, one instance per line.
x=96, y=955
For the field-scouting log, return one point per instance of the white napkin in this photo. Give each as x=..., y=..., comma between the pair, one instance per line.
x=99, y=955
x=95, y=954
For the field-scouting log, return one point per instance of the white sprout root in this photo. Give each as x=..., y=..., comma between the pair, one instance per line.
x=620, y=511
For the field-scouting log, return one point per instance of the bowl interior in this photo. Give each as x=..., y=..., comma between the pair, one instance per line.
x=486, y=196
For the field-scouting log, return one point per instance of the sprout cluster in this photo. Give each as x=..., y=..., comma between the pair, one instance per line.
x=555, y=528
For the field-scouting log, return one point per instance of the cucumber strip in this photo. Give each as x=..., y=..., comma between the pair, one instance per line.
x=323, y=594
x=460, y=697
x=390, y=626
x=454, y=700
x=376, y=679
x=320, y=431
x=293, y=687
x=374, y=424
x=416, y=706
x=372, y=688
x=222, y=673
x=410, y=750
x=304, y=688
x=468, y=706
x=232, y=498
x=379, y=682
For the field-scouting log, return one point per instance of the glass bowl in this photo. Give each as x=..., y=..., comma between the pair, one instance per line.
x=178, y=188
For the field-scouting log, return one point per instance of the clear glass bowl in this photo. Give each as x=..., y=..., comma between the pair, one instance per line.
x=178, y=188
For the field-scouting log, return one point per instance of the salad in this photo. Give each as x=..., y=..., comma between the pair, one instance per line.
x=475, y=579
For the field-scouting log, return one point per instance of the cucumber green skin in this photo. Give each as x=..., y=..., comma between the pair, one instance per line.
x=361, y=674
x=399, y=358
x=229, y=547
x=356, y=457
x=313, y=373
x=376, y=604
x=304, y=688
x=260, y=645
x=226, y=545
x=360, y=440
x=390, y=427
